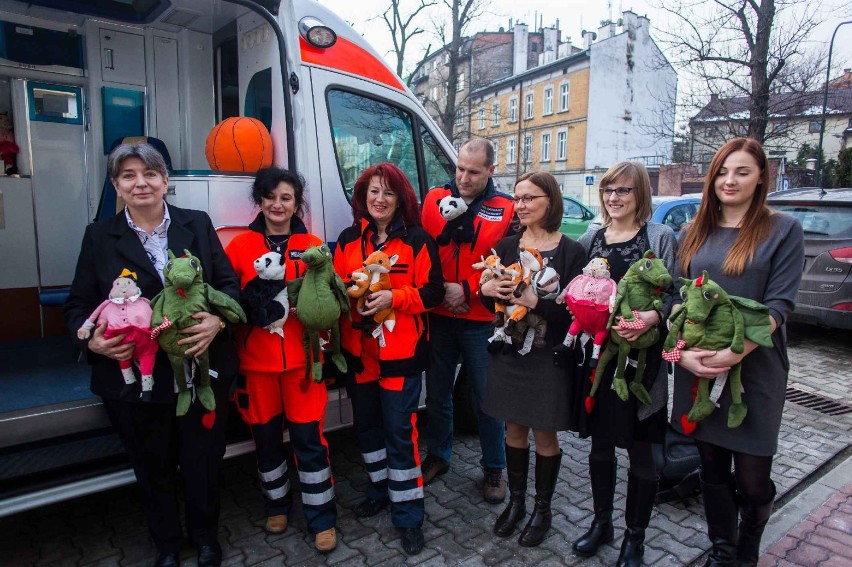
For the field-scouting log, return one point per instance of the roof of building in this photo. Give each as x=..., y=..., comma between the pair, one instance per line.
x=781, y=105
x=541, y=69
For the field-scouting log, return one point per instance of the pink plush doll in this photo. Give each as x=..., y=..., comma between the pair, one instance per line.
x=590, y=297
x=127, y=313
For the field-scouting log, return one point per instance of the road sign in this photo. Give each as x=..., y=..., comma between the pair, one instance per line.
x=785, y=183
x=590, y=180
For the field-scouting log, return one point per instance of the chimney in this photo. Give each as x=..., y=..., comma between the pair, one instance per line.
x=565, y=49
x=588, y=38
x=551, y=39
x=607, y=30
x=521, y=47
x=630, y=21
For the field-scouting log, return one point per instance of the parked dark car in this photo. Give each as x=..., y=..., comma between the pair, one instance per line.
x=825, y=294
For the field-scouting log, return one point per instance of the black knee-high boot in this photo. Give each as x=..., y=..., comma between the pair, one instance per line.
x=517, y=468
x=546, y=474
x=753, y=518
x=720, y=508
x=602, y=476
x=637, y=514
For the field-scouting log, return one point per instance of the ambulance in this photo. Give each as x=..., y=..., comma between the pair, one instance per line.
x=77, y=77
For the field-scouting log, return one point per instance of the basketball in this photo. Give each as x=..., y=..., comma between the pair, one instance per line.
x=239, y=144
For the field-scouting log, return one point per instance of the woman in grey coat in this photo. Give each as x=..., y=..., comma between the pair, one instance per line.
x=751, y=252
x=625, y=198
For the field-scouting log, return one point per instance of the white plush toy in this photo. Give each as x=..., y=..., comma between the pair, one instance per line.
x=459, y=227
x=264, y=299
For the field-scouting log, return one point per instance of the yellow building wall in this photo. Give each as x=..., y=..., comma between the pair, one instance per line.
x=573, y=120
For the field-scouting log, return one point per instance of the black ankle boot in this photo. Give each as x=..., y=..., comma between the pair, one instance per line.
x=720, y=508
x=602, y=476
x=637, y=513
x=546, y=474
x=753, y=518
x=517, y=466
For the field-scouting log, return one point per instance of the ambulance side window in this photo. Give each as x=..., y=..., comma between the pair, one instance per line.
x=439, y=168
x=366, y=132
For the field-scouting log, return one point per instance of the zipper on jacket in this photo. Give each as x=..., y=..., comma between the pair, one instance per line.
x=283, y=352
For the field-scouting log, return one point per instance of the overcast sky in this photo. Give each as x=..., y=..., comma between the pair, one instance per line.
x=573, y=16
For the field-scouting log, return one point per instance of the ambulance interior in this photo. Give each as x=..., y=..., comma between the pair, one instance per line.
x=71, y=85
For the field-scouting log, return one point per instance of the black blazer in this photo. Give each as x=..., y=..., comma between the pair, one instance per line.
x=110, y=246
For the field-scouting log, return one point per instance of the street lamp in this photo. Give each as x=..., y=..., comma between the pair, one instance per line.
x=824, y=104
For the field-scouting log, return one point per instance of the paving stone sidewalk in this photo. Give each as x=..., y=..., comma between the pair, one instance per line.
x=108, y=529
x=823, y=539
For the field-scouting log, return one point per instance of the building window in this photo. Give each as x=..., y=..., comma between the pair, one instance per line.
x=548, y=101
x=510, y=151
x=513, y=110
x=459, y=116
x=545, y=146
x=564, y=94
x=496, y=144
x=529, y=105
x=435, y=93
x=527, y=148
x=457, y=146
x=481, y=116
x=561, y=145
x=460, y=83
x=814, y=127
x=495, y=113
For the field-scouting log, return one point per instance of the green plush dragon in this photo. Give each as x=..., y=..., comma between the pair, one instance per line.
x=713, y=320
x=641, y=289
x=319, y=297
x=184, y=295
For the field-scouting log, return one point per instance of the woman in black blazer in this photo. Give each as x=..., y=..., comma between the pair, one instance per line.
x=157, y=441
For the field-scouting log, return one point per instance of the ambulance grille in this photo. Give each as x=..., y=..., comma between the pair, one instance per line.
x=816, y=402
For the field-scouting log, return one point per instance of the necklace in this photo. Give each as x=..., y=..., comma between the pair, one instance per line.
x=540, y=243
x=276, y=241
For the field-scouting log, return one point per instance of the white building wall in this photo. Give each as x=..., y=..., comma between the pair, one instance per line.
x=631, y=96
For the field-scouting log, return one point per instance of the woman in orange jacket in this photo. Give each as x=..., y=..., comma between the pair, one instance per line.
x=272, y=389
x=400, y=262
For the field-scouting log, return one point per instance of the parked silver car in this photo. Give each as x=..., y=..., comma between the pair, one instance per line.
x=825, y=294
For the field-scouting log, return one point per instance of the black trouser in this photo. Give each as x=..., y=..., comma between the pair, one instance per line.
x=157, y=441
x=641, y=457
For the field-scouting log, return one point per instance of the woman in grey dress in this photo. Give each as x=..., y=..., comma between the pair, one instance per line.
x=527, y=391
x=751, y=252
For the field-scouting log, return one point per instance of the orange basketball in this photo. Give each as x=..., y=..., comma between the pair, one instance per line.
x=239, y=144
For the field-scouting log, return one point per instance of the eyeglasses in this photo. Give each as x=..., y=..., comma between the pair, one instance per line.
x=620, y=191
x=526, y=199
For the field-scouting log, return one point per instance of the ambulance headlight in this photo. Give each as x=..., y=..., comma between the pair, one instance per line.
x=316, y=33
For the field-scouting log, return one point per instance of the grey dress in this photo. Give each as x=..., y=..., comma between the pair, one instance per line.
x=772, y=278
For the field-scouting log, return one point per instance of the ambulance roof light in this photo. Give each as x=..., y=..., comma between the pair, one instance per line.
x=316, y=33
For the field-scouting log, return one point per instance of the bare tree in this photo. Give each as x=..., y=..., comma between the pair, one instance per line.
x=735, y=49
x=462, y=13
x=403, y=28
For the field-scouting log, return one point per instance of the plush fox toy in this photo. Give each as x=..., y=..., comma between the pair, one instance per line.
x=378, y=266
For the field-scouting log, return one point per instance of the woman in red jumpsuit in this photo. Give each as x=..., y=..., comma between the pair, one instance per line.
x=272, y=390
x=388, y=364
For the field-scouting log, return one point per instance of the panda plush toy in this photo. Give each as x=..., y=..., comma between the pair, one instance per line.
x=264, y=298
x=459, y=217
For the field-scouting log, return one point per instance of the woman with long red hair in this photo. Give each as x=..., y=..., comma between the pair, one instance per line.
x=386, y=362
x=754, y=253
